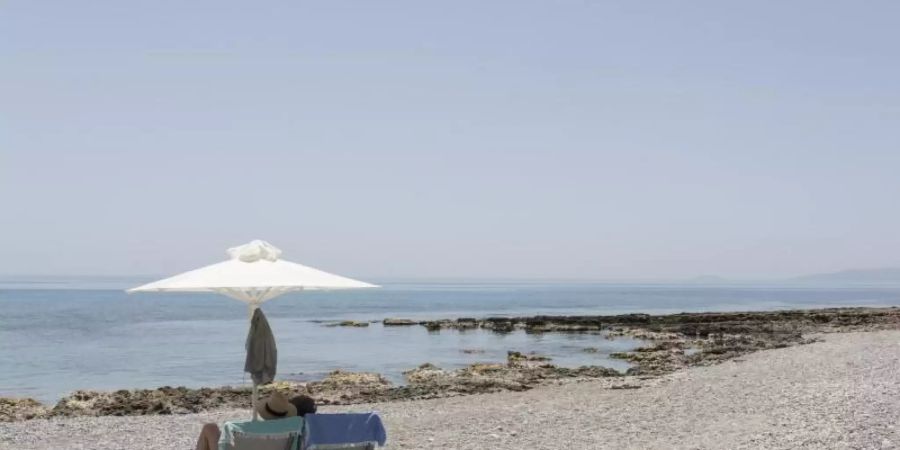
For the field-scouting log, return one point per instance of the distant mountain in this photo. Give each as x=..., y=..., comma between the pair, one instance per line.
x=884, y=275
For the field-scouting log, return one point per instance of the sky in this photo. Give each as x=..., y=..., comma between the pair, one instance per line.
x=464, y=139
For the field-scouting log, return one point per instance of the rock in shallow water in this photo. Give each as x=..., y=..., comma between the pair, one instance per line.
x=342, y=378
x=398, y=322
x=518, y=359
x=424, y=373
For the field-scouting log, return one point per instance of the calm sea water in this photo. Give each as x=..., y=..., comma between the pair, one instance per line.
x=59, y=336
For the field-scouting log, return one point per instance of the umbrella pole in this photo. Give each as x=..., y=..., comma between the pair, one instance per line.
x=254, y=401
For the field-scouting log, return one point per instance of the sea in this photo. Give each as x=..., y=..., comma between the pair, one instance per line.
x=61, y=335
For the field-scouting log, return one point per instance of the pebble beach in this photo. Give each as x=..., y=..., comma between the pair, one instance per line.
x=840, y=392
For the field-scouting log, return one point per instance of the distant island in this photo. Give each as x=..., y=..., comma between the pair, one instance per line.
x=883, y=275
x=888, y=275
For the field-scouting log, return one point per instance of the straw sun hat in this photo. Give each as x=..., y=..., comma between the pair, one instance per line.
x=276, y=407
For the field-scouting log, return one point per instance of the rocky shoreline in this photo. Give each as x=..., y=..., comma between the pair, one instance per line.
x=673, y=342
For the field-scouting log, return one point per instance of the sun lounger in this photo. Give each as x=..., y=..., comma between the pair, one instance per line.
x=314, y=432
x=281, y=434
x=343, y=431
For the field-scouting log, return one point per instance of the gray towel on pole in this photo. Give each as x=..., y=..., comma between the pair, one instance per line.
x=262, y=356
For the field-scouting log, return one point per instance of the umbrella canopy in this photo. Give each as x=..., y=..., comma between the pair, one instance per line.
x=254, y=274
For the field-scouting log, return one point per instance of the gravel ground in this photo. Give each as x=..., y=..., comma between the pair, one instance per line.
x=841, y=393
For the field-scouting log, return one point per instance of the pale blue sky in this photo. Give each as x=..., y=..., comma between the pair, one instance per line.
x=451, y=139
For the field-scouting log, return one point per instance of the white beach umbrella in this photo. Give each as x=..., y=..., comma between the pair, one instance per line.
x=253, y=274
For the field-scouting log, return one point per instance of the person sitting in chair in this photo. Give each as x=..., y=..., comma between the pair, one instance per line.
x=275, y=407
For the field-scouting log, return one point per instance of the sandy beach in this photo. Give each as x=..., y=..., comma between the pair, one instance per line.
x=842, y=392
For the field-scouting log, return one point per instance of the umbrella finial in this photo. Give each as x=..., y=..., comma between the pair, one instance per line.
x=254, y=251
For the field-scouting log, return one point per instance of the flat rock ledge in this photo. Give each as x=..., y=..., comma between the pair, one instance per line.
x=688, y=339
x=338, y=388
x=673, y=342
x=15, y=409
x=670, y=326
